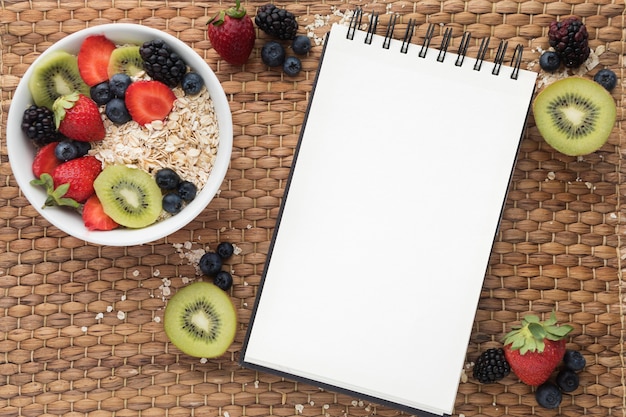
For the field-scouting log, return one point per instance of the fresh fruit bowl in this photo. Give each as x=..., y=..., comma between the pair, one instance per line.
x=22, y=151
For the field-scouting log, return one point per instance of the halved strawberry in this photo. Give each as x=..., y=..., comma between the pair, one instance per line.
x=94, y=216
x=148, y=101
x=45, y=161
x=93, y=59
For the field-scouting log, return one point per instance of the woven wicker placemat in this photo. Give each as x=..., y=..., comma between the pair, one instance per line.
x=80, y=330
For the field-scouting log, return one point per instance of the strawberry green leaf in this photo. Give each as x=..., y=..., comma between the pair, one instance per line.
x=54, y=196
x=537, y=331
x=531, y=318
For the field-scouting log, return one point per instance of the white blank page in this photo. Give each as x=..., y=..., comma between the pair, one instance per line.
x=388, y=222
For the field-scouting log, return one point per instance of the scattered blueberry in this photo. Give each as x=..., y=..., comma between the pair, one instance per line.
x=167, y=179
x=101, y=93
x=210, y=264
x=83, y=147
x=548, y=395
x=567, y=380
x=301, y=44
x=118, y=83
x=187, y=190
x=223, y=280
x=225, y=250
x=574, y=360
x=66, y=150
x=116, y=111
x=606, y=78
x=292, y=65
x=172, y=203
x=192, y=83
x=550, y=61
x=273, y=54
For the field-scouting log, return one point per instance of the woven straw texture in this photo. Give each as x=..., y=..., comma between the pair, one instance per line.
x=80, y=329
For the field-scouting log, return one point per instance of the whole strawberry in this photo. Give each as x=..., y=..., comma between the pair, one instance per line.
x=534, y=349
x=77, y=117
x=232, y=34
x=71, y=182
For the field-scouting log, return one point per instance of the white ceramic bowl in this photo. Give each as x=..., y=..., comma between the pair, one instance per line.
x=21, y=151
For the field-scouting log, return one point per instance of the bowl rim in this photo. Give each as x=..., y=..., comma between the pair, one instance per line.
x=17, y=143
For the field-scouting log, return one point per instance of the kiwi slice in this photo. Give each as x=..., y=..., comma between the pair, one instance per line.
x=130, y=196
x=55, y=75
x=125, y=60
x=575, y=115
x=200, y=320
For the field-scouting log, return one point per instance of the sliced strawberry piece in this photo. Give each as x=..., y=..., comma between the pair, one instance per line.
x=45, y=161
x=94, y=216
x=79, y=173
x=148, y=101
x=93, y=59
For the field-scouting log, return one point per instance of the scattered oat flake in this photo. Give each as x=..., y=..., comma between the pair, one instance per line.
x=136, y=273
x=551, y=175
x=123, y=298
x=299, y=408
x=157, y=319
x=226, y=414
x=84, y=328
x=236, y=250
x=109, y=309
x=256, y=384
x=156, y=273
x=121, y=315
x=203, y=360
x=99, y=316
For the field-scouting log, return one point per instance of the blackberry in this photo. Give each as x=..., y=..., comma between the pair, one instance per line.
x=162, y=63
x=276, y=22
x=38, y=124
x=491, y=366
x=569, y=38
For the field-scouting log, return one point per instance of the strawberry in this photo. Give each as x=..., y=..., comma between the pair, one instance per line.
x=45, y=160
x=71, y=183
x=148, y=101
x=77, y=117
x=94, y=216
x=534, y=349
x=232, y=34
x=93, y=59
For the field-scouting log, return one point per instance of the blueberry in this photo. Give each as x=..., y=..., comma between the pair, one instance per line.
x=101, y=93
x=567, y=380
x=172, y=203
x=550, y=61
x=223, y=280
x=548, y=395
x=83, y=147
x=116, y=111
x=66, y=150
x=225, y=250
x=192, y=83
x=301, y=45
x=118, y=83
x=574, y=360
x=292, y=65
x=210, y=264
x=273, y=54
x=606, y=78
x=167, y=179
x=187, y=190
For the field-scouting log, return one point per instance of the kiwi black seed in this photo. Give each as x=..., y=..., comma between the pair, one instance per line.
x=125, y=60
x=574, y=115
x=129, y=196
x=200, y=320
x=55, y=75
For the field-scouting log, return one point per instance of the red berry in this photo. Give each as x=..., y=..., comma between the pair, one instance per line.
x=148, y=101
x=79, y=173
x=45, y=160
x=232, y=34
x=94, y=216
x=93, y=59
x=78, y=117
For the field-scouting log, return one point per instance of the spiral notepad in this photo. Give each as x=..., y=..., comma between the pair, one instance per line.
x=389, y=215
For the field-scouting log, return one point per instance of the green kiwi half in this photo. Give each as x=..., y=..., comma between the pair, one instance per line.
x=125, y=59
x=575, y=115
x=200, y=320
x=129, y=196
x=55, y=75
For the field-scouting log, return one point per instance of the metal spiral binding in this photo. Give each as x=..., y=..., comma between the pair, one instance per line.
x=482, y=50
x=499, y=57
x=390, y=28
x=443, y=49
x=371, y=28
x=355, y=23
x=407, y=36
x=465, y=40
x=427, y=38
x=516, y=61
